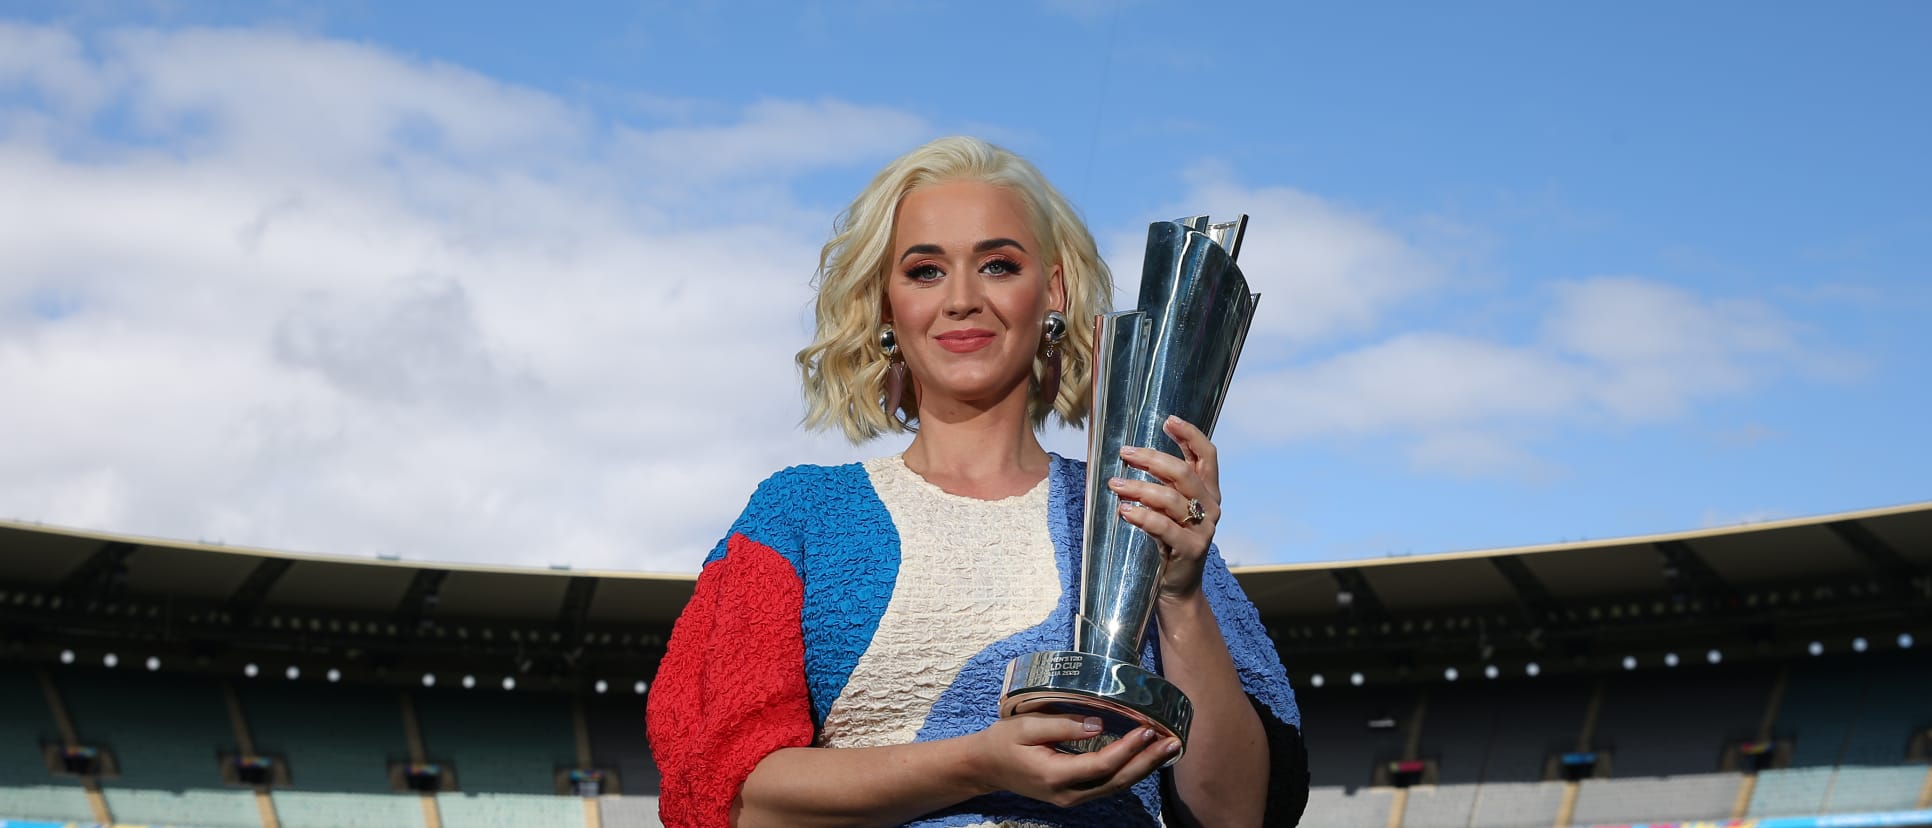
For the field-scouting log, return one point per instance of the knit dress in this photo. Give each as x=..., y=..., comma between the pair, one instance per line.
x=860, y=605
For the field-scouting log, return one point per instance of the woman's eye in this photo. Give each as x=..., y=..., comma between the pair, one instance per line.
x=1000, y=267
x=924, y=273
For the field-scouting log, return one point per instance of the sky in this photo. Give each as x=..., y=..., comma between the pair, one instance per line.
x=500, y=283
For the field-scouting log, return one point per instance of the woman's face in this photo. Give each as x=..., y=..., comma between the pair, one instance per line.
x=966, y=292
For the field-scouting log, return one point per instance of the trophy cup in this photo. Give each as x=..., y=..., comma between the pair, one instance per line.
x=1174, y=354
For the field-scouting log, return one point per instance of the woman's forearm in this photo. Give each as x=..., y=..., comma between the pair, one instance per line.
x=857, y=787
x=1222, y=780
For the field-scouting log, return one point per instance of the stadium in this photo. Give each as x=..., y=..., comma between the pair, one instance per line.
x=1769, y=675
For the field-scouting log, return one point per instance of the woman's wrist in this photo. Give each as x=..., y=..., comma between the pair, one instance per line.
x=976, y=770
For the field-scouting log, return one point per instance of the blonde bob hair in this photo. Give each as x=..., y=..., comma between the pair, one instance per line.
x=844, y=369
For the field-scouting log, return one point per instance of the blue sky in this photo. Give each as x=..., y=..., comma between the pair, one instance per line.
x=425, y=278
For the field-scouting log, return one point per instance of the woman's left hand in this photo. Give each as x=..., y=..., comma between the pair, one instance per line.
x=1181, y=510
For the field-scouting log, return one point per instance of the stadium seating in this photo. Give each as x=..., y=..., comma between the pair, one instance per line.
x=1897, y=700
x=1790, y=792
x=1336, y=723
x=64, y=803
x=1875, y=789
x=1514, y=805
x=617, y=741
x=201, y=808
x=1820, y=710
x=1441, y=806
x=498, y=742
x=1345, y=806
x=1678, y=721
x=334, y=738
x=309, y=809
x=499, y=810
x=175, y=752
x=630, y=812
x=1500, y=731
x=1656, y=799
x=26, y=788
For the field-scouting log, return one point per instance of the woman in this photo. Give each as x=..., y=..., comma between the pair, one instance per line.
x=840, y=661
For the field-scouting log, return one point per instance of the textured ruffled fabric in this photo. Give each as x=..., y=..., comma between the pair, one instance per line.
x=731, y=687
x=971, y=572
x=833, y=530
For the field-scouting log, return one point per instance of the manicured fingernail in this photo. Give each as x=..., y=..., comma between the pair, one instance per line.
x=1116, y=482
x=1126, y=450
x=1173, y=418
x=1092, y=724
x=1173, y=746
x=1146, y=734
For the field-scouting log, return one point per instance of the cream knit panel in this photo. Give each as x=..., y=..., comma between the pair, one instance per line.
x=971, y=572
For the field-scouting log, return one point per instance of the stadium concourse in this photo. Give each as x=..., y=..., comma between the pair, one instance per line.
x=1776, y=675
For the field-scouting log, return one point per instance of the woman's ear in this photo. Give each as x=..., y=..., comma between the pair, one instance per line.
x=1057, y=290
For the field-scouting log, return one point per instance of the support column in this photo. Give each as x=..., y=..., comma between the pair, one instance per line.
x=245, y=742
x=1925, y=790
x=1772, y=705
x=265, y=805
x=1566, y=808
x=1584, y=737
x=418, y=752
x=432, y=818
x=1745, y=789
x=70, y=738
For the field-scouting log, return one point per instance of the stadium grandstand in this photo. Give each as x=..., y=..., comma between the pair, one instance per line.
x=1775, y=675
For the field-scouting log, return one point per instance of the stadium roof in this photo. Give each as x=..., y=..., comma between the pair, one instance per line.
x=1883, y=545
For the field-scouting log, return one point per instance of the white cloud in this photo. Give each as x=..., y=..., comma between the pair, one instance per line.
x=1322, y=268
x=1610, y=351
x=323, y=297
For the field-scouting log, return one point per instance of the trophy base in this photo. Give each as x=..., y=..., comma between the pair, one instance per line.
x=1123, y=696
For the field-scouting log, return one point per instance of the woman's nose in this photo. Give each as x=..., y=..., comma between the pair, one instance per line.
x=964, y=297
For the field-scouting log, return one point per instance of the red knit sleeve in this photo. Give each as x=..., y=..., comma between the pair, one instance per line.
x=731, y=687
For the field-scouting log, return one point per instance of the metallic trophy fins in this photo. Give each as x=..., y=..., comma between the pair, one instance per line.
x=1173, y=355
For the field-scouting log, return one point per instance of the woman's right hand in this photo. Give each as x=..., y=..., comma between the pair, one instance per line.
x=1016, y=754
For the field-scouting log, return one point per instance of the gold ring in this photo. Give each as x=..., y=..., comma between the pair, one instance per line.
x=1194, y=514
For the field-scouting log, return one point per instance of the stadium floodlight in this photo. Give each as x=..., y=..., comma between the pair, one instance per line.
x=469, y=682
x=1316, y=680
x=1670, y=659
x=1905, y=641
x=154, y=663
x=601, y=686
x=1714, y=656
x=1629, y=662
x=1532, y=669
x=1817, y=648
x=1355, y=679
x=66, y=656
x=110, y=660
x=1449, y=674
x=250, y=670
x=640, y=687
x=1859, y=644
x=429, y=679
x=293, y=672
x=509, y=683
x=1490, y=671
x=334, y=675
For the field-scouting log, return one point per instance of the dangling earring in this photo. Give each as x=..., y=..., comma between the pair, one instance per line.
x=895, y=372
x=1052, y=331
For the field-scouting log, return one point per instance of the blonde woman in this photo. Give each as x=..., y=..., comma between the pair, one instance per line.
x=841, y=659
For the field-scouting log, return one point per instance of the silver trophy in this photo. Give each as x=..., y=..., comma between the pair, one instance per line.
x=1174, y=354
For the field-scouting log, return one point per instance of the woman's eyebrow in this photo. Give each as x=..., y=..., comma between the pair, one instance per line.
x=926, y=249
x=982, y=247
